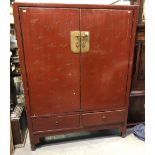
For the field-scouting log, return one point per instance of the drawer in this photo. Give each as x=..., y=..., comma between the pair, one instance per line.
x=56, y=122
x=99, y=118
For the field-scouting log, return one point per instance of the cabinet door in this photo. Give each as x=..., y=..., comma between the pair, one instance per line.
x=53, y=71
x=104, y=69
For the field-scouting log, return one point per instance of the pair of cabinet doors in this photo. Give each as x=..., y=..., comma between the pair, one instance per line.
x=60, y=80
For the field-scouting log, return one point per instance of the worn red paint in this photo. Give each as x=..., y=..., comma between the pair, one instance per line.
x=59, y=84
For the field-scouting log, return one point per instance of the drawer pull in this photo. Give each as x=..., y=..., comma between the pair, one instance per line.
x=56, y=123
x=103, y=117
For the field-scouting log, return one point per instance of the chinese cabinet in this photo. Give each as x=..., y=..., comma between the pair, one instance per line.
x=76, y=64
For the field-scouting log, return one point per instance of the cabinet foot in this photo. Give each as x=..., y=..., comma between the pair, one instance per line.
x=33, y=147
x=34, y=142
x=123, y=132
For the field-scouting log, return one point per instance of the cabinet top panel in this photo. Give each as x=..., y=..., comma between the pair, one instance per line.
x=68, y=4
x=106, y=2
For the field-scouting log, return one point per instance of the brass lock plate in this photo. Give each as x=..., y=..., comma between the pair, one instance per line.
x=79, y=41
x=85, y=36
x=75, y=41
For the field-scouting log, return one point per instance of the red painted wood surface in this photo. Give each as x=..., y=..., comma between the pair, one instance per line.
x=45, y=98
x=56, y=123
x=104, y=69
x=100, y=118
x=53, y=71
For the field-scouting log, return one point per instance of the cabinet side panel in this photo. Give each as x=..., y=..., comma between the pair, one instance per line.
x=22, y=67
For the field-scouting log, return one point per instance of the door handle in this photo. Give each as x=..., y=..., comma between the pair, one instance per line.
x=79, y=41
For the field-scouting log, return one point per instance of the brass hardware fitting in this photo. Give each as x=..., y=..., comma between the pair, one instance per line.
x=79, y=41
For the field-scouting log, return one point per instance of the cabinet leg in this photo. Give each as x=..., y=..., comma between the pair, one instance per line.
x=35, y=140
x=123, y=132
x=33, y=147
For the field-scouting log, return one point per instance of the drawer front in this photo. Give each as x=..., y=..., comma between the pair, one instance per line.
x=56, y=122
x=99, y=118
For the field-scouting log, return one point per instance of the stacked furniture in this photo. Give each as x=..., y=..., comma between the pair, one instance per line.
x=17, y=107
x=136, y=113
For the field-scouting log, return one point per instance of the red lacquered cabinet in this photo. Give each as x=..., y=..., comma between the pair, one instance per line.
x=76, y=62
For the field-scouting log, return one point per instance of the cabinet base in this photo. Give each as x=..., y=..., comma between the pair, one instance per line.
x=33, y=147
x=40, y=138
